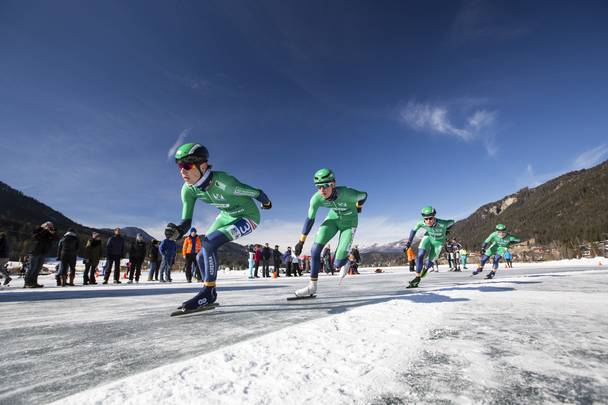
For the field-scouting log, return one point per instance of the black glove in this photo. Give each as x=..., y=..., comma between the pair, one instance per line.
x=266, y=206
x=298, y=248
x=408, y=244
x=172, y=231
x=359, y=209
x=482, y=252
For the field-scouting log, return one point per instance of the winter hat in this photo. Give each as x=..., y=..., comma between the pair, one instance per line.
x=193, y=229
x=139, y=237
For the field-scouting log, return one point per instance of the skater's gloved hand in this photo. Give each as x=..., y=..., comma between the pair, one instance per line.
x=266, y=205
x=172, y=231
x=298, y=248
x=482, y=252
x=408, y=244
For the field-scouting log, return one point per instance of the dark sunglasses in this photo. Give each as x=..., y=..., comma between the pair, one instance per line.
x=185, y=166
x=323, y=185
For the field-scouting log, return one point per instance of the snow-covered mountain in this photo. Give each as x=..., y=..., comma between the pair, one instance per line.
x=392, y=247
x=131, y=232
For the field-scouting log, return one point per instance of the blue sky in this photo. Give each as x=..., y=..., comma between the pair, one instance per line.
x=449, y=103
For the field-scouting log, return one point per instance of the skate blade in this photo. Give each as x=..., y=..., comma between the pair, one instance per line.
x=193, y=311
x=296, y=298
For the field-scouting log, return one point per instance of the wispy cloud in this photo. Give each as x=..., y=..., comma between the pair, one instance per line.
x=587, y=159
x=478, y=20
x=435, y=119
x=591, y=157
x=178, y=142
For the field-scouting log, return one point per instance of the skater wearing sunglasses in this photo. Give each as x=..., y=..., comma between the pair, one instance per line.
x=239, y=214
x=433, y=241
x=495, y=246
x=344, y=207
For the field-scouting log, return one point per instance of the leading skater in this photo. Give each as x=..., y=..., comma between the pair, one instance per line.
x=238, y=216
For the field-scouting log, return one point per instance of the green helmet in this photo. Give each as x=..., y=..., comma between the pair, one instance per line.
x=324, y=176
x=192, y=152
x=428, y=211
x=501, y=227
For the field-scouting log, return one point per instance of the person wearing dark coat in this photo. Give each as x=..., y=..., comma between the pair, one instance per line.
x=42, y=240
x=276, y=260
x=4, y=258
x=137, y=254
x=115, y=251
x=154, y=261
x=266, y=253
x=92, y=255
x=67, y=253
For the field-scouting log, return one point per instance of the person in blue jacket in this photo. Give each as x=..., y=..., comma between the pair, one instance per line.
x=168, y=250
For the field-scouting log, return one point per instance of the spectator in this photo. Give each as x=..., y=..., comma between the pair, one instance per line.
x=191, y=247
x=67, y=253
x=326, y=260
x=251, y=259
x=4, y=258
x=357, y=259
x=411, y=259
x=509, y=259
x=137, y=254
x=295, y=263
x=92, y=255
x=276, y=260
x=266, y=253
x=258, y=259
x=42, y=239
x=168, y=250
x=154, y=261
x=464, y=255
x=115, y=252
x=287, y=258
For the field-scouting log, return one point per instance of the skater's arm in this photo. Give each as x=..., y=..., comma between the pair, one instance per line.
x=315, y=203
x=514, y=239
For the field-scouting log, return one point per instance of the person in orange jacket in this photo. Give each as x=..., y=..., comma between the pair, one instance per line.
x=411, y=259
x=191, y=247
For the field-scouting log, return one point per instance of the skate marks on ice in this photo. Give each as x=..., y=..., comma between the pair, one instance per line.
x=338, y=359
x=539, y=347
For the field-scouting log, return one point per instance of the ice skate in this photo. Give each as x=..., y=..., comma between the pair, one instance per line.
x=206, y=297
x=343, y=272
x=306, y=292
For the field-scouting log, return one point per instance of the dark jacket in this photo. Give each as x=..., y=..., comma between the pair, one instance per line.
x=68, y=246
x=266, y=253
x=116, y=246
x=154, y=253
x=41, y=242
x=355, y=253
x=3, y=246
x=92, y=250
x=137, y=251
x=277, y=255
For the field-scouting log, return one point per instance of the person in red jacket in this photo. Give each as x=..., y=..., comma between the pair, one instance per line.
x=257, y=258
x=191, y=247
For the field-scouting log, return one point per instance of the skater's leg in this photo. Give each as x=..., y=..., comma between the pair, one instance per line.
x=341, y=258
